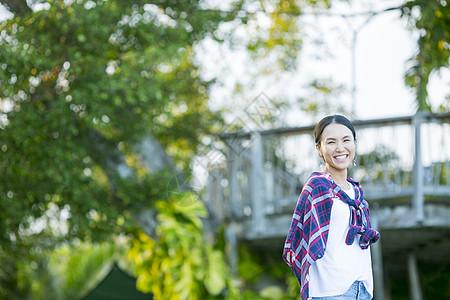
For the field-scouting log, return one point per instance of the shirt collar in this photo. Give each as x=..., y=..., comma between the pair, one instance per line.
x=328, y=176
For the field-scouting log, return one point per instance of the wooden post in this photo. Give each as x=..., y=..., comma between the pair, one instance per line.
x=256, y=195
x=230, y=234
x=377, y=265
x=269, y=189
x=418, y=197
x=232, y=248
x=414, y=280
x=215, y=194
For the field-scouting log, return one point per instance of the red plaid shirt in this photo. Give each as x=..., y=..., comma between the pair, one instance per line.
x=308, y=233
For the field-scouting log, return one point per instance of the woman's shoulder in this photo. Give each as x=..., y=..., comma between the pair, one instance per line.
x=351, y=180
x=318, y=179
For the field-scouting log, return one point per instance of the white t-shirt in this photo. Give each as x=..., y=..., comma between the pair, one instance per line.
x=341, y=264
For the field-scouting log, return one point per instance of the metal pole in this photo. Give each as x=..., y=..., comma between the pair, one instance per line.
x=355, y=32
x=353, y=74
x=414, y=281
x=418, y=197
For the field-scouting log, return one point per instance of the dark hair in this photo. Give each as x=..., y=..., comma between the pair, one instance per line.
x=318, y=130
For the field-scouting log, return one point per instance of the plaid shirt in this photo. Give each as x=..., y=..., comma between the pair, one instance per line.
x=308, y=233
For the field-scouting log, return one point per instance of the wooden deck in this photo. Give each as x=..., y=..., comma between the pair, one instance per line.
x=404, y=166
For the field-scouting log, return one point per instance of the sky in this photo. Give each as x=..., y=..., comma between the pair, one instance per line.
x=384, y=46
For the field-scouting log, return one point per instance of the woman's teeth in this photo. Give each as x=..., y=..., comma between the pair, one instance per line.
x=341, y=157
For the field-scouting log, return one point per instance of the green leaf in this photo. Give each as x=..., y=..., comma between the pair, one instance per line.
x=215, y=279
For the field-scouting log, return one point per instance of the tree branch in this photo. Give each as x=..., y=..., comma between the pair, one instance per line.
x=154, y=159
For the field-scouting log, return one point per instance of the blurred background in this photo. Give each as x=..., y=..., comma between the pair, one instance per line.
x=156, y=149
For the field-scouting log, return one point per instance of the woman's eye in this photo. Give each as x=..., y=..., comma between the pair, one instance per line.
x=330, y=142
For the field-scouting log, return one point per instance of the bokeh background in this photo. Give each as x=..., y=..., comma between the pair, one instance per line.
x=109, y=111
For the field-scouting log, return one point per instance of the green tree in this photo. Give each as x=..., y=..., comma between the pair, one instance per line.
x=432, y=21
x=101, y=105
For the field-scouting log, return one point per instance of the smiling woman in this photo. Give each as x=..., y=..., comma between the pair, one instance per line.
x=335, y=141
x=328, y=244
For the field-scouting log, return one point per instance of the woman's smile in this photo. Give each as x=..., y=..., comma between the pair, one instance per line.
x=337, y=148
x=341, y=158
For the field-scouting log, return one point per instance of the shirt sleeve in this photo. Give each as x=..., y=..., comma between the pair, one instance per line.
x=295, y=234
x=317, y=219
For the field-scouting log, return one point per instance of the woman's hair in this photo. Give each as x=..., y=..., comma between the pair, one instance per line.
x=338, y=119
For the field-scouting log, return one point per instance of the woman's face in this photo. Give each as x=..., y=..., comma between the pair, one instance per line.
x=337, y=147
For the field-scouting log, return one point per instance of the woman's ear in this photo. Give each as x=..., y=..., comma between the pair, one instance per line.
x=319, y=151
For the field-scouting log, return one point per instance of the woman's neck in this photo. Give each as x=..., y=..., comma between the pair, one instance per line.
x=339, y=177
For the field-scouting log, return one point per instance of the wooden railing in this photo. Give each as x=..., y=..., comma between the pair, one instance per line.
x=403, y=164
x=399, y=160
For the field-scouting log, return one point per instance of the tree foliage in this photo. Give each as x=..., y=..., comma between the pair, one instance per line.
x=82, y=83
x=432, y=21
x=179, y=264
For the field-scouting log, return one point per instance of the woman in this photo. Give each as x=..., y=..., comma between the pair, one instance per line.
x=328, y=242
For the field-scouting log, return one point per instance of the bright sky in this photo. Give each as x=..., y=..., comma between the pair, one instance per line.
x=384, y=45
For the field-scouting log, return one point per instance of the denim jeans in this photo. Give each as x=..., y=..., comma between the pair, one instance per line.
x=357, y=291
